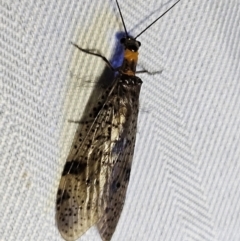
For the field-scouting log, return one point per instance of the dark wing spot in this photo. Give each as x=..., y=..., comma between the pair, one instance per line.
x=62, y=196
x=115, y=185
x=127, y=175
x=74, y=168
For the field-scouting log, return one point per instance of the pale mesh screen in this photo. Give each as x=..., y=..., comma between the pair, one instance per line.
x=185, y=177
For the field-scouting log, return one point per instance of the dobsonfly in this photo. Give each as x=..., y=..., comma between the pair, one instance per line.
x=95, y=177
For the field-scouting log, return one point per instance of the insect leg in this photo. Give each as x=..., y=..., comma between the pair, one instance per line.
x=95, y=54
x=150, y=73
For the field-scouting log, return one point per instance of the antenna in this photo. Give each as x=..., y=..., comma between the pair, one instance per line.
x=122, y=19
x=148, y=25
x=156, y=19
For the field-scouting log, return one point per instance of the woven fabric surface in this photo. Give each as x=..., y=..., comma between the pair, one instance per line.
x=185, y=182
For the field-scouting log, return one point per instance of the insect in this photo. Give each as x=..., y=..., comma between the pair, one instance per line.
x=95, y=177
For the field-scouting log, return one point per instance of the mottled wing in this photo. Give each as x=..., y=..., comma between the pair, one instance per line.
x=84, y=175
x=95, y=177
x=122, y=153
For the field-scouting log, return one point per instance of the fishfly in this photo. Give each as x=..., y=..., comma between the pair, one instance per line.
x=95, y=177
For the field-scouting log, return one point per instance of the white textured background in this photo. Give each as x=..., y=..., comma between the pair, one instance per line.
x=185, y=181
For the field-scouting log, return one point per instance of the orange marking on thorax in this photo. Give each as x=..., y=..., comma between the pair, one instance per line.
x=131, y=58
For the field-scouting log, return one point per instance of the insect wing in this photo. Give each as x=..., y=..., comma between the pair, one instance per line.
x=83, y=177
x=95, y=177
x=126, y=104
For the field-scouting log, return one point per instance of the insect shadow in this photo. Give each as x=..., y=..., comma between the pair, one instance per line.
x=105, y=80
x=108, y=74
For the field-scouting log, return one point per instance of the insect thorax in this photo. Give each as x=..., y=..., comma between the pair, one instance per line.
x=129, y=64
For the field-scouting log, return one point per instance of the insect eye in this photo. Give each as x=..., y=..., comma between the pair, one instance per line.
x=139, y=43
